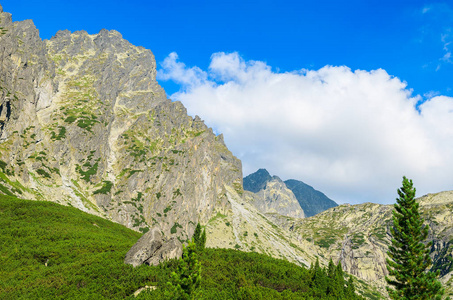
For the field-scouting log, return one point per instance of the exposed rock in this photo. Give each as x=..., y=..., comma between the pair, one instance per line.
x=152, y=249
x=145, y=247
x=83, y=122
x=145, y=288
x=255, y=182
x=358, y=236
x=312, y=201
x=170, y=249
x=275, y=197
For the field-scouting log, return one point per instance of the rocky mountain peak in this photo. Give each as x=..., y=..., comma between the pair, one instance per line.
x=256, y=181
x=83, y=122
x=311, y=200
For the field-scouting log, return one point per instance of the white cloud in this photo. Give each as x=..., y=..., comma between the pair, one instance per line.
x=177, y=71
x=350, y=134
x=439, y=24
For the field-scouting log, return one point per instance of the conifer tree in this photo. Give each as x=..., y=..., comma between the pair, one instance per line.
x=186, y=280
x=203, y=240
x=197, y=234
x=408, y=257
x=199, y=238
x=318, y=279
x=331, y=269
x=350, y=289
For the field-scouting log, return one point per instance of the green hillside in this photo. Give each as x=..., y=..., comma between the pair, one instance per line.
x=84, y=253
x=49, y=251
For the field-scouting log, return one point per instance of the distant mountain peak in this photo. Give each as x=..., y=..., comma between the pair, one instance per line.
x=257, y=181
x=311, y=200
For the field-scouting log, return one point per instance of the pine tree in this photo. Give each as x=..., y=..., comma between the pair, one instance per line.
x=186, y=280
x=408, y=256
x=199, y=238
x=350, y=289
x=331, y=269
x=318, y=279
x=197, y=234
x=203, y=240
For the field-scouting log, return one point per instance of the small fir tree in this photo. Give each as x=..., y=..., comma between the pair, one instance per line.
x=197, y=234
x=186, y=280
x=408, y=257
x=203, y=240
x=350, y=289
x=199, y=238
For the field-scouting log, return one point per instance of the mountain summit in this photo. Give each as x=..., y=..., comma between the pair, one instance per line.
x=311, y=201
x=83, y=122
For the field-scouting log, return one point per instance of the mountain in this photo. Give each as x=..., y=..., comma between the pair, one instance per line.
x=51, y=251
x=358, y=236
x=255, y=182
x=275, y=197
x=312, y=201
x=83, y=122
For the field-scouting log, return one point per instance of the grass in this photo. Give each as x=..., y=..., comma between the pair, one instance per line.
x=61, y=133
x=175, y=227
x=49, y=251
x=84, y=254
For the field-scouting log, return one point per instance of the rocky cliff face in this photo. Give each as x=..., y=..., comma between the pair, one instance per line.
x=276, y=198
x=358, y=236
x=255, y=182
x=83, y=122
x=312, y=201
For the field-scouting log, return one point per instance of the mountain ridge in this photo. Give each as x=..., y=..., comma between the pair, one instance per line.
x=88, y=125
x=83, y=122
x=311, y=201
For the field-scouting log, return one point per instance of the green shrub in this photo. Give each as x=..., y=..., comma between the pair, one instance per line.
x=105, y=189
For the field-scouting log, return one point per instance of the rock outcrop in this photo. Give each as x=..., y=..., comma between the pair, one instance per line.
x=152, y=249
x=83, y=122
x=255, y=182
x=272, y=191
x=276, y=198
x=358, y=236
x=312, y=201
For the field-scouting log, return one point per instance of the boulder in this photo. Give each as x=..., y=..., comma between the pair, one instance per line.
x=169, y=250
x=152, y=249
x=145, y=247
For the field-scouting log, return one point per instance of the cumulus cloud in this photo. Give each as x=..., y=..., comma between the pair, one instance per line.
x=351, y=134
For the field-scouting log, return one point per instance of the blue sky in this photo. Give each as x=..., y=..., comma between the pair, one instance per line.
x=328, y=92
x=289, y=35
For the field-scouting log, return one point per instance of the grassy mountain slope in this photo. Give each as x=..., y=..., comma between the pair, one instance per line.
x=49, y=251
x=52, y=251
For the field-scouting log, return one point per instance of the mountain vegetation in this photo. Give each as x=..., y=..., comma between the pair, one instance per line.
x=409, y=256
x=49, y=251
x=84, y=123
